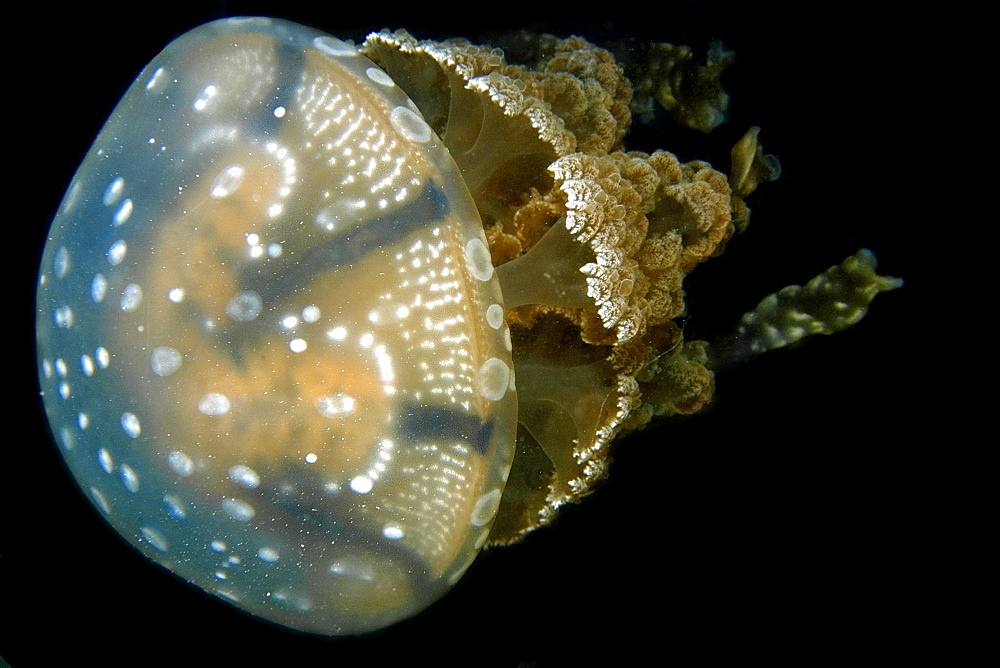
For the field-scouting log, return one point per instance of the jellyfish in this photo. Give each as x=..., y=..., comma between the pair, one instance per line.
x=582, y=277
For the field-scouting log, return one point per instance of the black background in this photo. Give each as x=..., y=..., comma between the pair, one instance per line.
x=779, y=523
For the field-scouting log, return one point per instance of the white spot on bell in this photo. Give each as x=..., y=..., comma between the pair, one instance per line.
x=238, y=510
x=98, y=288
x=131, y=425
x=61, y=264
x=335, y=405
x=486, y=507
x=410, y=124
x=124, y=213
x=244, y=476
x=165, y=360
x=244, y=306
x=494, y=378
x=477, y=257
x=228, y=180
x=63, y=317
x=131, y=297
x=129, y=478
x=379, y=77
x=268, y=554
x=174, y=506
x=361, y=484
x=158, y=76
x=392, y=531
x=310, y=313
x=201, y=103
x=117, y=252
x=114, y=191
x=214, y=404
x=494, y=316
x=105, y=461
x=180, y=463
x=333, y=46
x=155, y=539
x=100, y=500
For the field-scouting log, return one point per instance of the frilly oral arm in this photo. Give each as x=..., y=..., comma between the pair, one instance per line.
x=829, y=303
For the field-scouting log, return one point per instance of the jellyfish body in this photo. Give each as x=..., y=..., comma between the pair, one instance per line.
x=270, y=335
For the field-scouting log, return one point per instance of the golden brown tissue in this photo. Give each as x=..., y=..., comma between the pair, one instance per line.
x=593, y=242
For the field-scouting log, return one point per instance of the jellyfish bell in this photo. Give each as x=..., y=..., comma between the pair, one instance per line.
x=595, y=241
x=328, y=458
